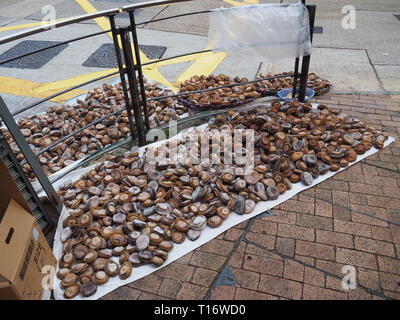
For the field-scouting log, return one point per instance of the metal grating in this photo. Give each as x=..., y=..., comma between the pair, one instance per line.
x=33, y=61
x=23, y=183
x=104, y=56
x=318, y=30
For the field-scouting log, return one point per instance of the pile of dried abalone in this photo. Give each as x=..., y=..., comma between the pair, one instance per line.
x=272, y=86
x=134, y=209
x=42, y=130
x=220, y=98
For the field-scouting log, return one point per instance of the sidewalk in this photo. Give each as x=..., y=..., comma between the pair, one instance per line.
x=350, y=219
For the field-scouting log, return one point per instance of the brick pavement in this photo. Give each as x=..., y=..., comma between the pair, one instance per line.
x=352, y=218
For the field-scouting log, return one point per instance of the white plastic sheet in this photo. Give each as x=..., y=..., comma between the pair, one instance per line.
x=267, y=32
x=187, y=246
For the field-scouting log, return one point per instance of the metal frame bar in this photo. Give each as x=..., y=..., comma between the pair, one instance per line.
x=138, y=68
x=133, y=87
x=306, y=59
x=296, y=67
x=182, y=94
x=151, y=4
x=28, y=154
x=58, y=24
x=122, y=73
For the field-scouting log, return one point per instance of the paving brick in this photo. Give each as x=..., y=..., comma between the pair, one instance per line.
x=358, y=198
x=207, y=260
x=306, y=260
x=223, y=293
x=242, y=225
x=122, y=293
x=314, y=277
x=307, y=220
x=374, y=246
x=185, y=259
x=369, y=279
x=340, y=198
x=264, y=240
x=360, y=188
x=372, y=211
x=383, y=202
x=341, y=213
x=282, y=216
x=365, y=219
x=389, y=265
x=335, y=184
x=356, y=258
x=334, y=284
x=390, y=282
x=238, y=256
x=191, y=291
x=330, y=267
x=251, y=249
x=263, y=265
x=293, y=270
x=345, y=176
x=316, y=250
x=297, y=206
x=150, y=296
x=380, y=181
x=323, y=208
x=204, y=277
x=176, y=271
x=352, y=228
x=265, y=227
x=285, y=246
x=245, y=294
x=359, y=294
x=393, y=295
x=280, y=287
x=316, y=293
x=220, y=247
x=335, y=238
x=169, y=288
x=233, y=234
x=246, y=279
x=393, y=215
x=395, y=232
x=296, y=232
x=149, y=283
x=323, y=194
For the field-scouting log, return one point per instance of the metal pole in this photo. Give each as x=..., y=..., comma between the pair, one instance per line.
x=29, y=156
x=122, y=75
x=138, y=67
x=296, y=67
x=306, y=60
x=133, y=88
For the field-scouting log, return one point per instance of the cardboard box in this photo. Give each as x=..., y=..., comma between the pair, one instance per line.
x=23, y=247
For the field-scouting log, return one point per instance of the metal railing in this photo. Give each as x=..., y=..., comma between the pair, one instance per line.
x=132, y=79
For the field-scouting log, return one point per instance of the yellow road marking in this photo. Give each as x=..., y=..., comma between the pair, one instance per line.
x=32, y=89
x=241, y=3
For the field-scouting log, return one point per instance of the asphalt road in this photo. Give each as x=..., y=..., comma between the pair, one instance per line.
x=360, y=60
